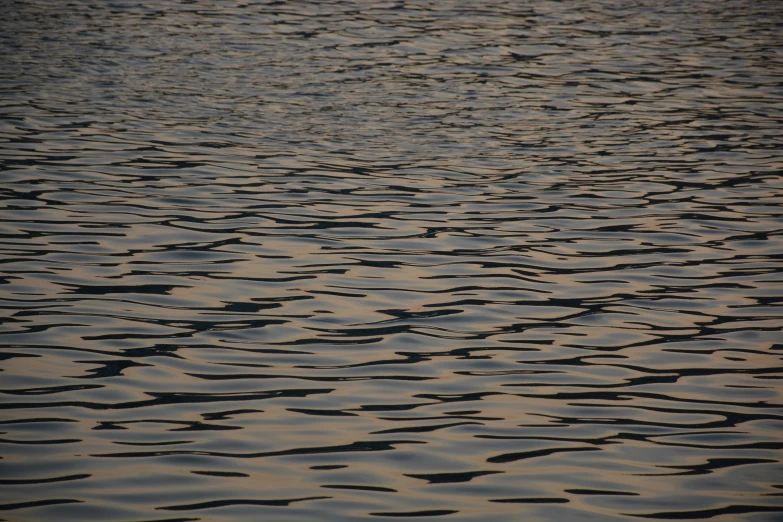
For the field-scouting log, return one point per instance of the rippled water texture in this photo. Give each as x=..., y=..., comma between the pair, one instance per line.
x=458, y=260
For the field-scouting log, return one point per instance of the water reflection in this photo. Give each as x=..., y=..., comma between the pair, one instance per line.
x=462, y=260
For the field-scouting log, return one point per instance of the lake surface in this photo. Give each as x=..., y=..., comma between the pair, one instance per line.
x=340, y=261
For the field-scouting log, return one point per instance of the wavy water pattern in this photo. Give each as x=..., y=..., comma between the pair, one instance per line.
x=466, y=261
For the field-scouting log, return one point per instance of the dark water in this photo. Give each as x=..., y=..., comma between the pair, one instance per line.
x=465, y=261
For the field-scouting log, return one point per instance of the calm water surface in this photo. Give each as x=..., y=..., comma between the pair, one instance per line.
x=488, y=261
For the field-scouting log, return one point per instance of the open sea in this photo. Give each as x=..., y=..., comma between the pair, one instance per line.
x=365, y=260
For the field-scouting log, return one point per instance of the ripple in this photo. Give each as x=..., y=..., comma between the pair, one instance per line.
x=338, y=260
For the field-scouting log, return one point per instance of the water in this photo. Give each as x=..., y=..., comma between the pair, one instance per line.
x=465, y=261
